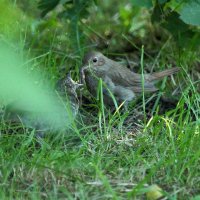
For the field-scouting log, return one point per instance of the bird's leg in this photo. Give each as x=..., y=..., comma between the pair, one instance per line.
x=126, y=103
x=125, y=94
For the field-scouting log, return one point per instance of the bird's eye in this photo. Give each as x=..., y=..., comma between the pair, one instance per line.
x=95, y=59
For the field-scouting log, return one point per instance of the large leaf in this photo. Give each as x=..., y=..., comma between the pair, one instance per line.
x=190, y=12
x=183, y=35
x=174, y=24
x=182, y=32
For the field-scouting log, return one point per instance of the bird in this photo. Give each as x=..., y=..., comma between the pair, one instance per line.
x=67, y=88
x=124, y=84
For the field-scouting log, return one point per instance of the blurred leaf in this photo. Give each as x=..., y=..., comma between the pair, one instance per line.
x=190, y=12
x=126, y=15
x=12, y=20
x=142, y=3
x=196, y=197
x=22, y=93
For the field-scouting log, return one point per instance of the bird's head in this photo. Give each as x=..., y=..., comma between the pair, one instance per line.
x=68, y=85
x=95, y=61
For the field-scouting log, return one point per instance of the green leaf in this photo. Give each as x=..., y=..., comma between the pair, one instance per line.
x=174, y=24
x=183, y=35
x=142, y=3
x=190, y=12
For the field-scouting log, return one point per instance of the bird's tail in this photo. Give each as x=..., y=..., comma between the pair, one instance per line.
x=158, y=75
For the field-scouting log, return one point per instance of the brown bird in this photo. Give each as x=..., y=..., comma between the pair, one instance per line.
x=124, y=84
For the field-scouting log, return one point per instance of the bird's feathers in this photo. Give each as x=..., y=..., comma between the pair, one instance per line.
x=158, y=75
x=124, y=77
x=120, y=77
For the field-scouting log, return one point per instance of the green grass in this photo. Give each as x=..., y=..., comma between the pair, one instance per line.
x=108, y=155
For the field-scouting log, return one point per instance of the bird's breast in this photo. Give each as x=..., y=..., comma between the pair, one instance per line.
x=109, y=83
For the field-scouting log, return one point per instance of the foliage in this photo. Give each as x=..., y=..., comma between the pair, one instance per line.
x=177, y=16
x=190, y=12
x=12, y=24
x=74, y=11
x=77, y=8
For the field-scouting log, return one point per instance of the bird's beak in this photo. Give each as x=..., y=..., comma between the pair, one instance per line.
x=85, y=67
x=76, y=85
x=82, y=73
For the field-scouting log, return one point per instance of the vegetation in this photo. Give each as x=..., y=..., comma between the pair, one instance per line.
x=149, y=151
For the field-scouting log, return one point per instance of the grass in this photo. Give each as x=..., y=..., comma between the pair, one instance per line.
x=105, y=157
x=109, y=155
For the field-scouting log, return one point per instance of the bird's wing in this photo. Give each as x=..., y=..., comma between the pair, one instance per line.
x=124, y=77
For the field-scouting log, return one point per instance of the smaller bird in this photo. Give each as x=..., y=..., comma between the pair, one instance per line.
x=67, y=89
x=124, y=84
